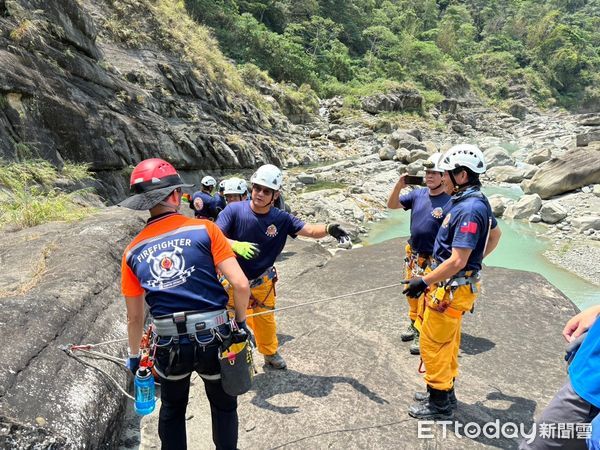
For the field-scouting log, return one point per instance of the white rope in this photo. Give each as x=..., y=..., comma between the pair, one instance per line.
x=103, y=372
x=325, y=299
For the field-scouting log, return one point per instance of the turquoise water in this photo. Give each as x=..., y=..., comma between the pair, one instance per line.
x=519, y=248
x=512, y=191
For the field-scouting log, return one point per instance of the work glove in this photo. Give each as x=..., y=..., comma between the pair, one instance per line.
x=245, y=331
x=593, y=442
x=336, y=230
x=133, y=363
x=246, y=250
x=415, y=288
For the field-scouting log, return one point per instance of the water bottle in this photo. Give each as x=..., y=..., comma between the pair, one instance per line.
x=144, y=391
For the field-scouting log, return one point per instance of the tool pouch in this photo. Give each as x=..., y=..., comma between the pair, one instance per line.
x=237, y=366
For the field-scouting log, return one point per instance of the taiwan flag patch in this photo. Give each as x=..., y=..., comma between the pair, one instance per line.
x=468, y=227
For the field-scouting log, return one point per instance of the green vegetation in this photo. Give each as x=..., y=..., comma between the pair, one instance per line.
x=28, y=195
x=443, y=47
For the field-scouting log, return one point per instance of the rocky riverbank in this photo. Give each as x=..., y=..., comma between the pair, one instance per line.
x=549, y=163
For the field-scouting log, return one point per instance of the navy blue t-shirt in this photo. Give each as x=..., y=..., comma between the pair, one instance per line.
x=584, y=371
x=208, y=205
x=466, y=225
x=220, y=201
x=269, y=231
x=426, y=215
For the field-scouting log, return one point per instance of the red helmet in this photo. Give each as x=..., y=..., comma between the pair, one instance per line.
x=152, y=181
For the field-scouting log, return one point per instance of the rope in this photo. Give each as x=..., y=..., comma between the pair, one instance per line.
x=69, y=352
x=325, y=299
x=87, y=348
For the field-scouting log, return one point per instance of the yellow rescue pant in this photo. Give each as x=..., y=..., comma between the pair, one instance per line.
x=262, y=298
x=412, y=268
x=440, y=334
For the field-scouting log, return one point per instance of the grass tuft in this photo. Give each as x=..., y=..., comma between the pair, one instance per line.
x=28, y=196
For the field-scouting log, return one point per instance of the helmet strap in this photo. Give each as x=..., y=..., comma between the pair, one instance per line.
x=455, y=185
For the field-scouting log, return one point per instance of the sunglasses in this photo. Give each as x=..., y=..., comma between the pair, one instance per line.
x=264, y=190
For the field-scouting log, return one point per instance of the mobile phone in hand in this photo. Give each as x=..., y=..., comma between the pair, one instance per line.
x=414, y=180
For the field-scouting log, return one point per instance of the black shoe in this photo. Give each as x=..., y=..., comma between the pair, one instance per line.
x=436, y=408
x=424, y=397
x=415, y=348
x=409, y=333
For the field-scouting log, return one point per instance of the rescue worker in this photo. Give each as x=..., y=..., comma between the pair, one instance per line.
x=219, y=197
x=468, y=233
x=578, y=402
x=235, y=190
x=203, y=203
x=259, y=222
x=171, y=265
x=426, y=213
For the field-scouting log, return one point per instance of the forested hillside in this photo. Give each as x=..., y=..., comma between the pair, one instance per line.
x=353, y=47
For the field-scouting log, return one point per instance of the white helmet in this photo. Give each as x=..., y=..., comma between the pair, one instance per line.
x=235, y=186
x=208, y=181
x=463, y=155
x=222, y=184
x=269, y=176
x=433, y=163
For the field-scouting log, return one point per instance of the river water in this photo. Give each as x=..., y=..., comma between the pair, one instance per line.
x=519, y=248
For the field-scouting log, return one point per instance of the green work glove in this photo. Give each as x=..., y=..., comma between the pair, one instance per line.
x=246, y=250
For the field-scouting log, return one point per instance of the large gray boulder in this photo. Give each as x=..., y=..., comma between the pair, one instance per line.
x=497, y=156
x=387, y=152
x=506, y=174
x=571, y=171
x=552, y=212
x=539, y=156
x=417, y=154
x=525, y=207
x=402, y=155
x=499, y=204
x=403, y=139
x=586, y=223
x=529, y=170
x=399, y=101
x=588, y=136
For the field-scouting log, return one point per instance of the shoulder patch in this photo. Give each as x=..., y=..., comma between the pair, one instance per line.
x=446, y=221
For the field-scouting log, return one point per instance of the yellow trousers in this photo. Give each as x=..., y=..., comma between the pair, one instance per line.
x=413, y=267
x=262, y=298
x=440, y=333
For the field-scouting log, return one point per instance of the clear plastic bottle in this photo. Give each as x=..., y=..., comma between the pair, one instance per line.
x=144, y=391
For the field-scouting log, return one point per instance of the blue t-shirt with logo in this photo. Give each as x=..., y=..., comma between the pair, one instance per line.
x=208, y=205
x=466, y=224
x=584, y=371
x=269, y=231
x=426, y=215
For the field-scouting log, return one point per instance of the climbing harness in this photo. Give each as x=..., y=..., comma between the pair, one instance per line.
x=203, y=337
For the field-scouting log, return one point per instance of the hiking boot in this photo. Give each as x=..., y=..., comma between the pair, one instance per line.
x=437, y=407
x=415, y=349
x=409, y=333
x=424, y=397
x=275, y=361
